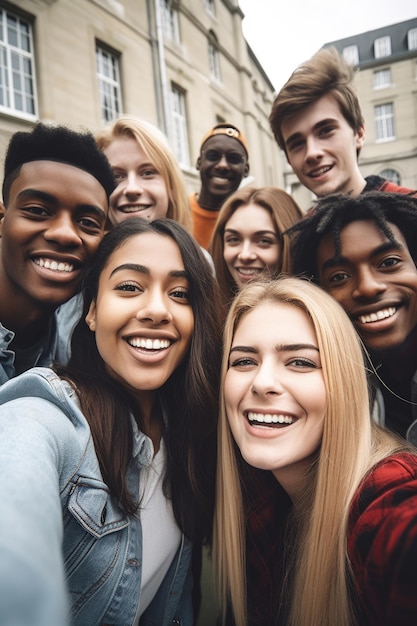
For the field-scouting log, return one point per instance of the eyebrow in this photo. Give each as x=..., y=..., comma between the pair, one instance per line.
x=141, y=166
x=142, y=269
x=342, y=260
x=291, y=347
x=317, y=126
x=258, y=232
x=44, y=196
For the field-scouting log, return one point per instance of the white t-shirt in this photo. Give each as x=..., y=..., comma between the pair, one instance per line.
x=161, y=536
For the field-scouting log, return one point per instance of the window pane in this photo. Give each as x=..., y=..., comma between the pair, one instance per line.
x=412, y=39
x=12, y=37
x=351, y=55
x=108, y=83
x=382, y=47
x=209, y=5
x=169, y=17
x=179, y=126
x=17, y=73
x=382, y=78
x=213, y=56
x=384, y=121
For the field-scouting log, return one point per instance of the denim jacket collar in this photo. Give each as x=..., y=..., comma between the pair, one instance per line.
x=7, y=355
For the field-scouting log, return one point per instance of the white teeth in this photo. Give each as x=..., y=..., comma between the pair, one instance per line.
x=378, y=315
x=269, y=418
x=321, y=171
x=249, y=271
x=149, y=344
x=56, y=266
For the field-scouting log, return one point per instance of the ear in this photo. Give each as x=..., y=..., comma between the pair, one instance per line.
x=2, y=214
x=198, y=164
x=360, y=137
x=246, y=170
x=90, y=318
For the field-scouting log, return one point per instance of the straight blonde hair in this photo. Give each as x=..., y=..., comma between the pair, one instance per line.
x=351, y=446
x=155, y=145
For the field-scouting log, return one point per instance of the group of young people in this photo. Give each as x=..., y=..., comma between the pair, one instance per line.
x=127, y=441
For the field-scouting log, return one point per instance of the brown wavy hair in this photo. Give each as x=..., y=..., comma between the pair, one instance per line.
x=284, y=212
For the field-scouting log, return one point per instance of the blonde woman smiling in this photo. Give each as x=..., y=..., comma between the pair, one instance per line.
x=316, y=517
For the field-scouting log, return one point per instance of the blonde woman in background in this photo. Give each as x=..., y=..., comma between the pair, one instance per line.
x=149, y=180
x=335, y=542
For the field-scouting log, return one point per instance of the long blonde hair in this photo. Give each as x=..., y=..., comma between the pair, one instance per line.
x=155, y=145
x=351, y=445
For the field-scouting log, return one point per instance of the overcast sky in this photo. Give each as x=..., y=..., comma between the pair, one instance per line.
x=284, y=34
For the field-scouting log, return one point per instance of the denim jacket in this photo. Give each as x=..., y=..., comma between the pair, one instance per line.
x=68, y=553
x=7, y=355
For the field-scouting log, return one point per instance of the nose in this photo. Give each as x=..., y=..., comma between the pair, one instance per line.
x=246, y=252
x=154, y=308
x=223, y=162
x=368, y=285
x=267, y=380
x=314, y=150
x=63, y=231
x=133, y=185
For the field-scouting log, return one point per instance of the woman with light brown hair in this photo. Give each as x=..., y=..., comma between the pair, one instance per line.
x=248, y=241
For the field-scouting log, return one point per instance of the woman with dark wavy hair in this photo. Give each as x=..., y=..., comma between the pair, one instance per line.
x=114, y=455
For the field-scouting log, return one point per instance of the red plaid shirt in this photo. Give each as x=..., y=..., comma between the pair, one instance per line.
x=382, y=546
x=382, y=543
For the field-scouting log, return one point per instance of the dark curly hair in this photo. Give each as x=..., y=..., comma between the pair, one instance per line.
x=56, y=143
x=333, y=213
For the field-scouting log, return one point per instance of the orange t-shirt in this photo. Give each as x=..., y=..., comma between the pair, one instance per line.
x=203, y=221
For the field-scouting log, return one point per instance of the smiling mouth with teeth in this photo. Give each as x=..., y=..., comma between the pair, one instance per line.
x=149, y=344
x=134, y=208
x=56, y=266
x=248, y=271
x=321, y=171
x=377, y=316
x=271, y=420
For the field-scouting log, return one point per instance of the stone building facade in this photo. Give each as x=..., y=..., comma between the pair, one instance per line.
x=183, y=65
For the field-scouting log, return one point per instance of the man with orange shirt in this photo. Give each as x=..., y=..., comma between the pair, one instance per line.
x=222, y=163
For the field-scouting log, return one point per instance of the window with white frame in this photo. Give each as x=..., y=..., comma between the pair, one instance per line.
x=384, y=121
x=17, y=66
x=214, y=58
x=209, y=6
x=179, y=125
x=108, y=75
x=382, y=47
x=351, y=55
x=412, y=39
x=391, y=175
x=382, y=78
x=170, y=20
